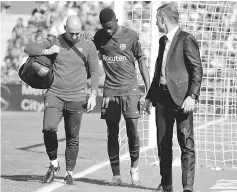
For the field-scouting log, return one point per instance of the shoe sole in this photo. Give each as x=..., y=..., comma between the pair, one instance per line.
x=136, y=184
x=68, y=183
x=51, y=180
x=116, y=184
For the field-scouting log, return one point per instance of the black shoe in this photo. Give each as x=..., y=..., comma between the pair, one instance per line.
x=164, y=189
x=68, y=180
x=187, y=190
x=49, y=177
x=159, y=188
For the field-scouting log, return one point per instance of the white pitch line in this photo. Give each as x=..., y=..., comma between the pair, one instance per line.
x=59, y=183
x=211, y=123
x=227, y=185
x=207, y=124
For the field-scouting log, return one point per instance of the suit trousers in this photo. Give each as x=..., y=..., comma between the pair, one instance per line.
x=167, y=112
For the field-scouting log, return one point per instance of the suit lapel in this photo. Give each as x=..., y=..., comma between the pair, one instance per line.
x=173, y=43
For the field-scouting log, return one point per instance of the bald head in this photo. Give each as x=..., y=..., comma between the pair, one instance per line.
x=73, y=27
x=73, y=23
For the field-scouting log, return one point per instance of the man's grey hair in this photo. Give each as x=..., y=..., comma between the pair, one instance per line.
x=169, y=11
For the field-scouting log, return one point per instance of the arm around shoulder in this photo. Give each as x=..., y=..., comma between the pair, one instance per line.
x=144, y=72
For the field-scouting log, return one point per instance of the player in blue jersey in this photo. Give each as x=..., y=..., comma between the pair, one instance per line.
x=119, y=47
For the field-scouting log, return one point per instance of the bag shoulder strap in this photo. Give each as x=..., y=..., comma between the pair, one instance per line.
x=75, y=49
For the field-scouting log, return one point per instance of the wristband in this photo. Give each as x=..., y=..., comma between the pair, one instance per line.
x=193, y=96
x=93, y=92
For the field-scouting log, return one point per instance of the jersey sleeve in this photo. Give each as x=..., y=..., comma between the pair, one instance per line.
x=96, y=41
x=136, y=47
x=94, y=67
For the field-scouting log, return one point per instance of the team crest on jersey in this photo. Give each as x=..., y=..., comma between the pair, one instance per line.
x=80, y=49
x=122, y=47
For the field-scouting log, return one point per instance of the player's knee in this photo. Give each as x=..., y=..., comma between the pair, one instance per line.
x=132, y=134
x=113, y=139
x=112, y=133
x=49, y=128
x=73, y=142
x=112, y=136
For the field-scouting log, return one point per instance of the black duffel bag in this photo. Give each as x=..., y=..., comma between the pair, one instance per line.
x=29, y=71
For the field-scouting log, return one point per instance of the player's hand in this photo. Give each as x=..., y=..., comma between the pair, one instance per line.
x=85, y=35
x=142, y=99
x=188, y=104
x=52, y=50
x=91, y=103
x=146, y=106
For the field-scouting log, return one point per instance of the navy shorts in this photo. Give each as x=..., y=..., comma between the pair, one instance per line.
x=113, y=107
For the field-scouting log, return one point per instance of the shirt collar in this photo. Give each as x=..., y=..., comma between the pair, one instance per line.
x=171, y=34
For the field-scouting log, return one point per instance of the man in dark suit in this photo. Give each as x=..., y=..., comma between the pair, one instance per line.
x=174, y=91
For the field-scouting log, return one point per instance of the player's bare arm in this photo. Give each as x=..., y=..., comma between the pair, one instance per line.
x=145, y=75
x=94, y=70
x=144, y=72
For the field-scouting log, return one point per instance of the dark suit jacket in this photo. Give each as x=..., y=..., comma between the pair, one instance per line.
x=183, y=69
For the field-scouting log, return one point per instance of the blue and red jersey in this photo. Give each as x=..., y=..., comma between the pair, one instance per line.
x=118, y=55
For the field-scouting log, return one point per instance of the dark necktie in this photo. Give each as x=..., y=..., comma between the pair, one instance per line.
x=163, y=41
x=162, y=47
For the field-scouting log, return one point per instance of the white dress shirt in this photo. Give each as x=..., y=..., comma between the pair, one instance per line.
x=170, y=37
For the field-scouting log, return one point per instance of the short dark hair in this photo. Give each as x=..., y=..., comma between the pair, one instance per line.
x=169, y=11
x=107, y=15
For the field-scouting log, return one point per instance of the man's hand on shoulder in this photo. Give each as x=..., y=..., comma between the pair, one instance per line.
x=52, y=50
x=86, y=36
